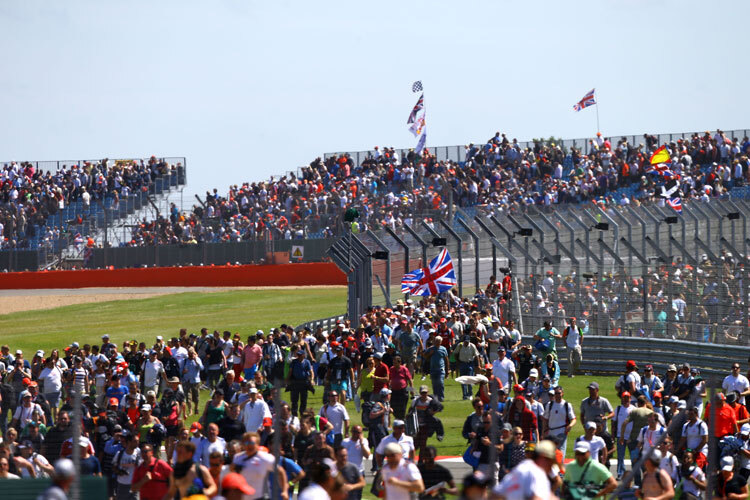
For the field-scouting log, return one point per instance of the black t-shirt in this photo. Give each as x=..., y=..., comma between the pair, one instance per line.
x=339, y=368
x=230, y=429
x=351, y=475
x=433, y=476
x=734, y=485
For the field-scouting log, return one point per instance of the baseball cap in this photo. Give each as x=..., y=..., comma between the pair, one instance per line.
x=196, y=426
x=745, y=429
x=423, y=389
x=385, y=391
x=631, y=364
x=591, y=425
x=593, y=385
x=582, y=446
x=29, y=444
x=377, y=355
x=84, y=441
x=253, y=390
x=19, y=351
x=173, y=380
x=501, y=349
x=267, y=422
x=476, y=479
x=507, y=427
x=300, y=352
x=146, y=407
x=727, y=463
x=625, y=394
x=546, y=449
x=235, y=481
x=672, y=368
x=399, y=423
x=533, y=372
x=159, y=337
x=488, y=366
x=656, y=456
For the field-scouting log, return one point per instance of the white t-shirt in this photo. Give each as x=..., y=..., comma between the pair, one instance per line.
x=621, y=413
x=336, y=415
x=405, y=471
x=128, y=463
x=151, y=372
x=558, y=415
x=35, y=460
x=689, y=486
x=527, y=480
x=254, y=413
x=355, y=449
x=502, y=370
x=255, y=470
x=648, y=437
x=693, y=434
x=314, y=492
x=405, y=442
x=738, y=383
x=23, y=414
x=573, y=338
x=206, y=448
x=596, y=444
x=52, y=378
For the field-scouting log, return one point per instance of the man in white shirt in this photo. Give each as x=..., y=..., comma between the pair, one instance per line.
x=358, y=447
x=254, y=410
x=597, y=446
x=573, y=336
x=255, y=465
x=736, y=382
x=694, y=434
x=399, y=437
x=400, y=478
x=338, y=417
x=210, y=443
x=529, y=479
x=153, y=373
x=504, y=369
x=559, y=419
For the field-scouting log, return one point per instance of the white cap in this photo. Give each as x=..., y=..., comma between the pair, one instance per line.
x=745, y=429
x=727, y=463
x=582, y=447
x=159, y=337
x=84, y=441
x=64, y=468
x=590, y=425
x=19, y=351
x=259, y=332
x=253, y=390
x=533, y=372
x=146, y=407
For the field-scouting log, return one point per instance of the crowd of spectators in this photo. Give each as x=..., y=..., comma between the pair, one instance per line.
x=138, y=397
x=390, y=189
x=30, y=196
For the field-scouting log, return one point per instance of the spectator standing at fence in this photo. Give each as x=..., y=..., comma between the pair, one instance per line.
x=736, y=381
x=546, y=339
x=573, y=335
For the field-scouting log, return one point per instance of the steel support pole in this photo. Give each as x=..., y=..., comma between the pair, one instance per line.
x=455, y=236
x=475, y=237
x=383, y=247
x=422, y=242
x=487, y=230
x=403, y=244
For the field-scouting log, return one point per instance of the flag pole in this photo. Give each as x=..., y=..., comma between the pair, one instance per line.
x=597, y=116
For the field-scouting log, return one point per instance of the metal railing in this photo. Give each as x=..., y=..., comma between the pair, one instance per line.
x=645, y=272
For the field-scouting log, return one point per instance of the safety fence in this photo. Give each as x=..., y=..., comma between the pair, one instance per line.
x=644, y=271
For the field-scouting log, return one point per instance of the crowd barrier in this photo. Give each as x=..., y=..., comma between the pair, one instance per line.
x=312, y=274
x=608, y=355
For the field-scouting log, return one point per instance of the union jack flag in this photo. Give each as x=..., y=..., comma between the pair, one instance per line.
x=660, y=169
x=676, y=204
x=417, y=108
x=437, y=278
x=588, y=100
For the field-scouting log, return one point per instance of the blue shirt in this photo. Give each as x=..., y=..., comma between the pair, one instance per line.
x=290, y=467
x=193, y=369
x=301, y=370
x=117, y=392
x=438, y=361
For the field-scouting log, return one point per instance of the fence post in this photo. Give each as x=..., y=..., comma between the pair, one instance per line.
x=387, y=265
x=494, y=250
x=419, y=240
x=459, y=244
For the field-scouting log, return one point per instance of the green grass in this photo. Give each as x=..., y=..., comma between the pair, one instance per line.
x=239, y=311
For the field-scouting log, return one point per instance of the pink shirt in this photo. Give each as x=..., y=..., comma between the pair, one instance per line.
x=252, y=355
x=399, y=378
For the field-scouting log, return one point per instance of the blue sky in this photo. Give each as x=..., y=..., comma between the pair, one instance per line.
x=248, y=89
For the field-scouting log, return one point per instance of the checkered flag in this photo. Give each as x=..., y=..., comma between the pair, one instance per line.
x=416, y=86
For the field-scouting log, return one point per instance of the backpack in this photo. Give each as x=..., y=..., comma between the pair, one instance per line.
x=170, y=412
x=367, y=407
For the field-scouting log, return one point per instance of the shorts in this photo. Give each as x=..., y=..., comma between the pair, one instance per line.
x=342, y=385
x=250, y=372
x=53, y=399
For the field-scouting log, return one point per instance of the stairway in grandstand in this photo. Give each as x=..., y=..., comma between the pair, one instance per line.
x=104, y=220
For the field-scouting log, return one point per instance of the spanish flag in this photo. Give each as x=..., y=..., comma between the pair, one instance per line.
x=661, y=155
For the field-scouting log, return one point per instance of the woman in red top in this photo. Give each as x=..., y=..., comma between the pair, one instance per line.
x=399, y=379
x=519, y=415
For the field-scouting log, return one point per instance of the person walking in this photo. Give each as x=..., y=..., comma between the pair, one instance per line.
x=299, y=380
x=467, y=355
x=437, y=355
x=573, y=337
